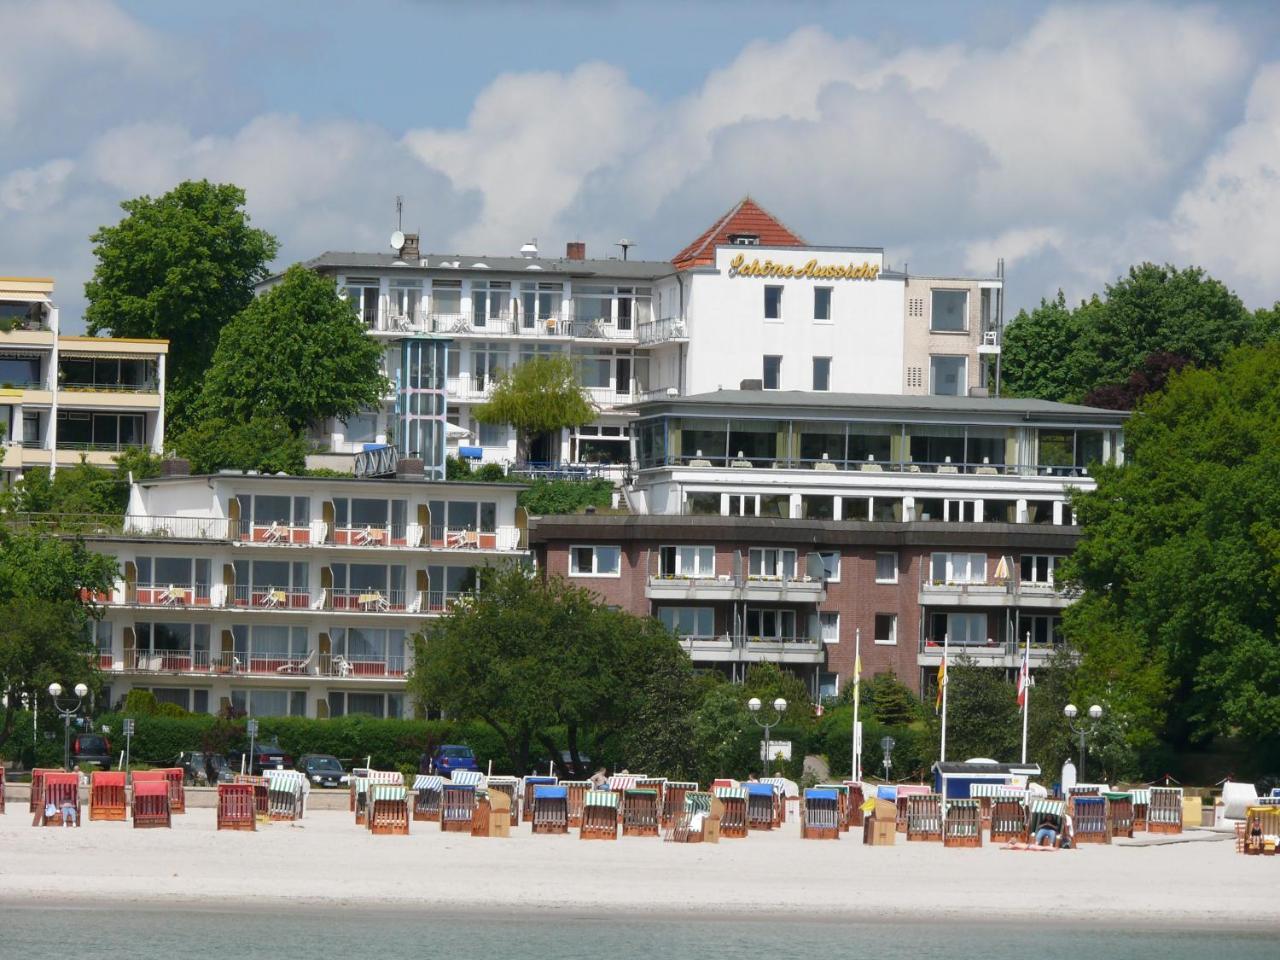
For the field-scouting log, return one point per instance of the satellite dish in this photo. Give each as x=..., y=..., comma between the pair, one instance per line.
x=397, y=240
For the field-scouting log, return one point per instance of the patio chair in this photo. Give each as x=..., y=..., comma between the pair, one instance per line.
x=236, y=807
x=107, y=795
x=640, y=813
x=151, y=804
x=297, y=666
x=550, y=809
x=962, y=824
x=733, y=822
x=173, y=779
x=1259, y=832
x=924, y=817
x=820, y=815
x=857, y=798
x=599, y=815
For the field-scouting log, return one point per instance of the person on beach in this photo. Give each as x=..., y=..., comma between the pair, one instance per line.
x=752, y=778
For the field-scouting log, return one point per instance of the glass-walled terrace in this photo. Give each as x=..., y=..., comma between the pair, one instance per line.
x=873, y=446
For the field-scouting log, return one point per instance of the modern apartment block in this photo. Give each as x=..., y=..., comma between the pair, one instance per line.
x=749, y=300
x=291, y=596
x=65, y=397
x=778, y=526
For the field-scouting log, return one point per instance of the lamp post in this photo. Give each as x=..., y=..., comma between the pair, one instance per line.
x=1082, y=729
x=779, y=708
x=67, y=709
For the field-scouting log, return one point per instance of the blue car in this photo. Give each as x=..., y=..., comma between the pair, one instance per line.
x=448, y=758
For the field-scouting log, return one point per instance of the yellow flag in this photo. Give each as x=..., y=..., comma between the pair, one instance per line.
x=857, y=670
x=942, y=682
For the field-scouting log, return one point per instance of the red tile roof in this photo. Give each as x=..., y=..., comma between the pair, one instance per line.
x=747, y=217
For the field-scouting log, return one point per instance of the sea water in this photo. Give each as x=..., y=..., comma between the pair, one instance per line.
x=260, y=932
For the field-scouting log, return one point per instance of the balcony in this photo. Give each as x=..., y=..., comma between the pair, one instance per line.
x=255, y=663
x=714, y=461
x=726, y=587
x=667, y=330
x=725, y=648
x=375, y=600
x=992, y=592
x=993, y=653
x=110, y=387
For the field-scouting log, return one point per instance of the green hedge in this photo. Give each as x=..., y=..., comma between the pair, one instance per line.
x=912, y=752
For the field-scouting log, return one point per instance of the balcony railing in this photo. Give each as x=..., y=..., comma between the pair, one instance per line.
x=460, y=538
x=987, y=650
x=747, y=461
x=560, y=325
x=100, y=446
x=375, y=600
x=339, y=665
x=150, y=387
x=270, y=597
x=258, y=663
x=989, y=585
x=660, y=331
x=170, y=595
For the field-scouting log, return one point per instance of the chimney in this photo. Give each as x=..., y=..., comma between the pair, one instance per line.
x=575, y=250
x=410, y=249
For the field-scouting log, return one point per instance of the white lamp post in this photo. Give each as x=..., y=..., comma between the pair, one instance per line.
x=1082, y=729
x=779, y=708
x=67, y=708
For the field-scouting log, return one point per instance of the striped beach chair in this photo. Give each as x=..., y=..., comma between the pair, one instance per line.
x=457, y=807
x=640, y=812
x=388, y=809
x=924, y=817
x=1141, y=803
x=1, y=788
x=353, y=800
x=427, y=791
x=961, y=824
x=526, y=790
x=1164, y=813
x=1089, y=818
x=658, y=785
x=621, y=782
x=107, y=800
x=151, y=804
x=1119, y=814
x=599, y=815
x=1008, y=818
x=842, y=799
x=286, y=794
x=511, y=787
x=779, y=785
x=550, y=808
x=575, y=792
x=904, y=790
x=1041, y=812
x=360, y=790
x=236, y=807
x=688, y=825
x=61, y=800
x=984, y=793
x=762, y=812
x=1259, y=832
x=673, y=801
x=820, y=815
x=733, y=822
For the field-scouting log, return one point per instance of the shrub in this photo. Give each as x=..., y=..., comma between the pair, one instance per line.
x=549, y=497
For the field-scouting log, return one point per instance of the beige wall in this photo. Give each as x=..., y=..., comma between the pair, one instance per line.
x=919, y=342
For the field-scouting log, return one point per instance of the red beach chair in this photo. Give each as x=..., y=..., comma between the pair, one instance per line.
x=36, y=799
x=61, y=793
x=107, y=795
x=236, y=807
x=151, y=804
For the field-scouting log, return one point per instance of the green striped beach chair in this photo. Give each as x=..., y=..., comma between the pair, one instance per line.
x=961, y=824
x=286, y=794
x=599, y=815
x=673, y=801
x=388, y=809
x=924, y=817
x=733, y=822
x=1141, y=804
x=1164, y=814
x=427, y=791
x=1119, y=814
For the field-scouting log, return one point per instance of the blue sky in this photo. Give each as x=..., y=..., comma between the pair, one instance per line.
x=1071, y=139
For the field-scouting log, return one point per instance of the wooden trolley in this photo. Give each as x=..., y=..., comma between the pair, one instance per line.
x=107, y=800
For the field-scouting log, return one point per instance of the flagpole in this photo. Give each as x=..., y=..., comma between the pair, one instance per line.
x=946, y=643
x=1026, y=693
x=856, y=766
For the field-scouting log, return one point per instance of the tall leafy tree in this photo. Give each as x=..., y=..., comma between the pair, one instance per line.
x=178, y=267
x=264, y=442
x=1035, y=349
x=297, y=352
x=537, y=396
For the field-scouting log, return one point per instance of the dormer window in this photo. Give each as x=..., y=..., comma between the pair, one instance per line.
x=744, y=239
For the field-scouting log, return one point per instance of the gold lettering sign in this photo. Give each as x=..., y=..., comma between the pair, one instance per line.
x=740, y=267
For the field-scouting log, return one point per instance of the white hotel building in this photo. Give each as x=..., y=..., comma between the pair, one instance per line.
x=749, y=300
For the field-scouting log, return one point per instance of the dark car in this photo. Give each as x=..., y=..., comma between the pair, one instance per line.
x=448, y=758
x=266, y=756
x=90, y=750
x=201, y=767
x=323, y=770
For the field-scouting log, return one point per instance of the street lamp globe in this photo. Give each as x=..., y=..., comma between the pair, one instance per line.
x=81, y=690
x=1095, y=712
x=55, y=689
x=754, y=704
x=1070, y=711
x=780, y=705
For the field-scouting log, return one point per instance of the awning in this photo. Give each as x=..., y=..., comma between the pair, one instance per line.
x=73, y=354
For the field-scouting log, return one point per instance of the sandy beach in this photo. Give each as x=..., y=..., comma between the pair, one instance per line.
x=326, y=861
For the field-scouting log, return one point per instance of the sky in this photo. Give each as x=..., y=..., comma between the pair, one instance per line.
x=1071, y=139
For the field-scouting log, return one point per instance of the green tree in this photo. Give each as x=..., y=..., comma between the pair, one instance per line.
x=1036, y=346
x=38, y=567
x=178, y=267
x=537, y=396
x=1179, y=560
x=80, y=490
x=889, y=700
x=297, y=352
x=767, y=681
x=726, y=742
x=982, y=713
x=265, y=443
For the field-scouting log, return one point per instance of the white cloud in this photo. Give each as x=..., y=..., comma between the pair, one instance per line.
x=34, y=187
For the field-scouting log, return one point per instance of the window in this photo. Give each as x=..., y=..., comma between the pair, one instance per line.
x=1038, y=568
x=829, y=626
x=822, y=303
x=362, y=293
x=270, y=703
x=771, y=563
x=959, y=568
x=772, y=372
x=19, y=370
x=492, y=434
x=886, y=629
x=446, y=298
x=742, y=505
x=961, y=511
x=1044, y=629
x=687, y=562
x=773, y=303
x=539, y=302
x=360, y=428
x=30, y=429
x=771, y=624
x=490, y=301
x=963, y=629
x=947, y=376
x=822, y=373
x=950, y=312
x=830, y=565
x=702, y=504
x=744, y=240
x=405, y=297
x=688, y=621
x=595, y=561
x=817, y=507
x=886, y=567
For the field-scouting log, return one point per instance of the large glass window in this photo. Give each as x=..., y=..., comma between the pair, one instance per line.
x=595, y=561
x=754, y=440
x=687, y=562
x=446, y=298
x=820, y=441
x=959, y=568
x=19, y=371
x=688, y=621
x=768, y=624
x=950, y=311
x=947, y=376
x=539, y=303
x=490, y=302
x=771, y=563
x=406, y=295
x=703, y=439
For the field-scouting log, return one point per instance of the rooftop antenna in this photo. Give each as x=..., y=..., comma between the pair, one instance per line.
x=399, y=213
x=626, y=245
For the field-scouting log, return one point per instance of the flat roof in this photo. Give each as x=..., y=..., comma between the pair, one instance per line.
x=291, y=477
x=466, y=263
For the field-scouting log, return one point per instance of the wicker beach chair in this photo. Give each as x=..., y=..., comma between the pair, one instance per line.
x=733, y=822
x=599, y=815
x=35, y=799
x=458, y=807
x=688, y=826
x=286, y=794
x=857, y=798
x=236, y=807
x=575, y=792
x=961, y=824
x=673, y=801
x=820, y=815
x=107, y=800
x=151, y=804
x=61, y=800
x=762, y=810
x=842, y=801
x=901, y=792
x=176, y=778
x=1164, y=813
x=1259, y=832
x=658, y=785
x=360, y=791
x=526, y=790
x=1089, y=818
x=388, y=810
x=1119, y=814
x=640, y=813
x=550, y=808
x=1008, y=819
x=924, y=816
x=1045, y=812
x=1, y=788
x=261, y=803
x=427, y=791
x=511, y=787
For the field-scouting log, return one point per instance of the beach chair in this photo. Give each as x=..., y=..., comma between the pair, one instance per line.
x=621, y=782
x=1259, y=832
x=733, y=822
x=1089, y=818
x=151, y=803
x=902, y=791
x=550, y=808
x=658, y=785
x=599, y=815
x=107, y=795
x=688, y=824
x=673, y=801
x=352, y=800
x=61, y=800
x=286, y=794
x=820, y=815
x=511, y=787
x=924, y=817
x=176, y=780
x=1045, y=813
x=427, y=792
x=761, y=806
x=1141, y=802
x=526, y=791
x=1119, y=814
x=360, y=791
x=856, y=799
x=35, y=799
x=388, y=810
x=961, y=824
x=640, y=813
x=481, y=815
x=261, y=802
x=236, y=807
x=1008, y=819
x=575, y=792
x=842, y=801
x=1, y=788
x=1164, y=813
x=457, y=807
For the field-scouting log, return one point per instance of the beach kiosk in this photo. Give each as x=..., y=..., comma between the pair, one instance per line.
x=954, y=781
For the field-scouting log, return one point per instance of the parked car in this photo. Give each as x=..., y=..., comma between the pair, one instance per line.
x=266, y=756
x=199, y=766
x=90, y=750
x=323, y=770
x=448, y=758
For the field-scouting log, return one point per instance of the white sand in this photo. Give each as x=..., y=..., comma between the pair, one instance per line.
x=326, y=860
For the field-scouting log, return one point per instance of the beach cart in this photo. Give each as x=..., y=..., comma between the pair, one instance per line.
x=574, y=793
x=1141, y=803
x=673, y=801
x=640, y=812
x=261, y=807
x=902, y=792
x=427, y=791
x=511, y=787
x=961, y=824
x=1008, y=819
x=820, y=815
x=550, y=808
x=286, y=794
x=1164, y=813
x=1119, y=814
x=151, y=803
x=1259, y=832
x=528, y=786
x=107, y=795
x=924, y=816
x=762, y=811
x=61, y=800
x=236, y=807
x=388, y=809
x=458, y=807
x=733, y=822
x=599, y=815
